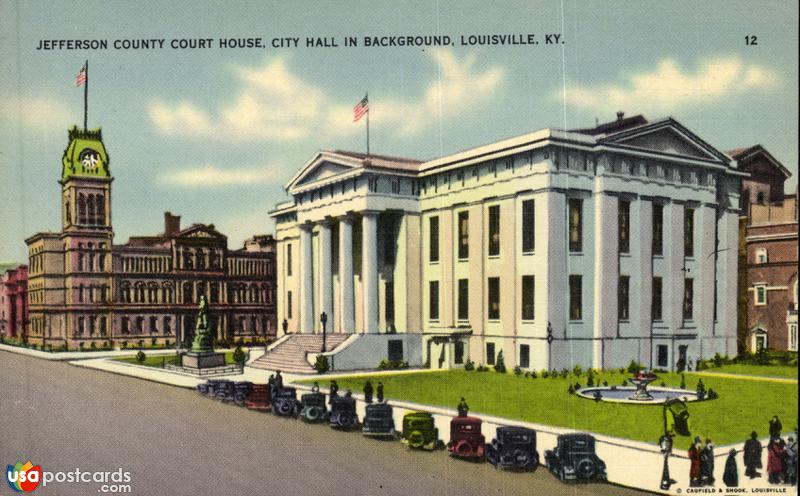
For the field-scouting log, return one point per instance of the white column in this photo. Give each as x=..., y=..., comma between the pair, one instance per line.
x=306, y=302
x=369, y=271
x=552, y=232
x=347, y=323
x=606, y=273
x=325, y=272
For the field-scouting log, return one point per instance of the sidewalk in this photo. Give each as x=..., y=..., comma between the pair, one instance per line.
x=761, y=378
x=80, y=355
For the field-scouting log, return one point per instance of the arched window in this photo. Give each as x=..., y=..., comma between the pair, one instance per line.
x=139, y=292
x=188, y=292
x=188, y=263
x=81, y=209
x=201, y=259
x=125, y=292
x=758, y=340
x=90, y=203
x=100, y=209
x=152, y=293
x=169, y=293
x=214, y=292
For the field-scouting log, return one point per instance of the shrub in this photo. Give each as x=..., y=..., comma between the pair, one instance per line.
x=590, y=380
x=124, y=345
x=622, y=370
x=545, y=374
x=517, y=371
x=533, y=374
x=577, y=370
x=469, y=365
x=321, y=364
x=140, y=357
x=527, y=374
x=571, y=389
x=663, y=384
x=635, y=367
x=554, y=373
x=500, y=365
x=482, y=368
x=154, y=341
x=141, y=343
x=712, y=395
x=167, y=342
x=239, y=355
x=392, y=364
x=564, y=373
x=577, y=386
x=605, y=383
x=93, y=345
x=624, y=382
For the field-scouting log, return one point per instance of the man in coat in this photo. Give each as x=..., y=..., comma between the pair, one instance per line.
x=775, y=427
x=775, y=454
x=752, y=456
x=694, y=458
x=731, y=475
x=790, y=462
x=707, y=464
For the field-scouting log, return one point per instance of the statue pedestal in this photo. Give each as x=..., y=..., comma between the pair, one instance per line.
x=203, y=360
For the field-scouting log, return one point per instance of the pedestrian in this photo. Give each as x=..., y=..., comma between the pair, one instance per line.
x=790, y=462
x=775, y=454
x=380, y=392
x=694, y=459
x=463, y=408
x=731, y=475
x=752, y=456
x=775, y=427
x=278, y=380
x=707, y=464
x=368, y=392
x=334, y=391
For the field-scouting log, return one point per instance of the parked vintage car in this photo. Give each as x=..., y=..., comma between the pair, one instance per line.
x=419, y=431
x=343, y=413
x=284, y=402
x=210, y=386
x=466, y=439
x=514, y=448
x=379, y=421
x=259, y=398
x=313, y=407
x=574, y=459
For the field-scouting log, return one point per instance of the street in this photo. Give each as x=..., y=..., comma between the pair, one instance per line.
x=175, y=442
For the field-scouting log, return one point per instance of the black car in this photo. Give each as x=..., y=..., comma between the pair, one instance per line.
x=210, y=386
x=574, y=459
x=343, y=413
x=284, y=402
x=379, y=421
x=514, y=448
x=312, y=407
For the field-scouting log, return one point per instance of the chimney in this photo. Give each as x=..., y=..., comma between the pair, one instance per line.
x=620, y=115
x=172, y=224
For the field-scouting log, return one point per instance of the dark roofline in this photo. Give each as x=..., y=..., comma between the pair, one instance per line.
x=613, y=126
x=744, y=153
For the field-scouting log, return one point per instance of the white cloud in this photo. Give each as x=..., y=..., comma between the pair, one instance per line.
x=275, y=104
x=668, y=87
x=214, y=176
x=35, y=112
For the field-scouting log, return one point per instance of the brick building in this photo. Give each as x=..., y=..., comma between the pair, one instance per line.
x=14, y=302
x=768, y=255
x=86, y=291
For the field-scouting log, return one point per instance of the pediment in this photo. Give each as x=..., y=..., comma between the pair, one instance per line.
x=669, y=138
x=202, y=232
x=322, y=170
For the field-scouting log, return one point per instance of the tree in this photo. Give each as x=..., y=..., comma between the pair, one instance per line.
x=140, y=357
x=321, y=364
x=500, y=365
x=239, y=355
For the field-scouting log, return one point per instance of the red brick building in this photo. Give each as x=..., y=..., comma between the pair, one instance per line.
x=768, y=258
x=14, y=302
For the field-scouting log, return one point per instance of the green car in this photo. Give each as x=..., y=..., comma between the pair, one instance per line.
x=419, y=432
x=313, y=408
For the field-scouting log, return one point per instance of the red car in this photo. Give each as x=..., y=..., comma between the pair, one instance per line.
x=466, y=440
x=258, y=399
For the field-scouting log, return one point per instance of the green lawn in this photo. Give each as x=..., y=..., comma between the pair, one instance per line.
x=157, y=360
x=743, y=406
x=786, y=371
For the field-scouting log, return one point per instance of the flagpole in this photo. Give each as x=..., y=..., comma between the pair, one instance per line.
x=86, y=99
x=367, y=97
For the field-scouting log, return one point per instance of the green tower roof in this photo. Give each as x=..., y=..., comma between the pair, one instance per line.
x=85, y=155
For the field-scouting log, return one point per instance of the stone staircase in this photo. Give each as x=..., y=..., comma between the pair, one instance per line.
x=290, y=355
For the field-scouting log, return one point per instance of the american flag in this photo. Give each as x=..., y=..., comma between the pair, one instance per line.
x=360, y=109
x=80, y=79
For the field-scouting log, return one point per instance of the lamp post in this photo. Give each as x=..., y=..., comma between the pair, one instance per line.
x=665, y=443
x=550, y=339
x=323, y=318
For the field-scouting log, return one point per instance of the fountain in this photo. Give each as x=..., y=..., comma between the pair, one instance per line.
x=639, y=394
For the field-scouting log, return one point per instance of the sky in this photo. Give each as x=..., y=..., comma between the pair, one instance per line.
x=214, y=134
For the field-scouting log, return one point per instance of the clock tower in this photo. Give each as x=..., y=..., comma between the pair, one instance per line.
x=86, y=183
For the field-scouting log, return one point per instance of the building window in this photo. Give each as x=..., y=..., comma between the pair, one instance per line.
x=463, y=235
x=389, y=309
x=792, y=337
x=655, y=305
x=288, y=304
x=761, y=295
x=153, y=325
x=494, y=298
x=624, y=219
x=658, y=230
x=125, y=324
x=688, y=299
x=662, y=354
x=459, y=352
x=433, y=239
x=494, y=230
x=575, y=298
x=289, y=259
x=761, y=256
x=575, y=224
x=759, y=340
x=167, y=323
x=524, y=356
x=395, y=350
x=463, y=299
x=489, y=353
x=528, y=226
x=623, y=297
x=528, y=297
x=433, y=302
x=688, y=232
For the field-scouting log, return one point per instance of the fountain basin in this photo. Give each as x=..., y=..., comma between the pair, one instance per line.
x=623, y=394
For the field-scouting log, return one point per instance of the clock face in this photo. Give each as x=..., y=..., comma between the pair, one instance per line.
x=90, y=159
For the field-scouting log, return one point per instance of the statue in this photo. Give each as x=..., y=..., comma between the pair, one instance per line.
x=368, y=392
x=463, y=409
x=203, y=340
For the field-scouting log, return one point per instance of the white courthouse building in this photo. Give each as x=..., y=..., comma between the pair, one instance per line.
x=558, y=248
